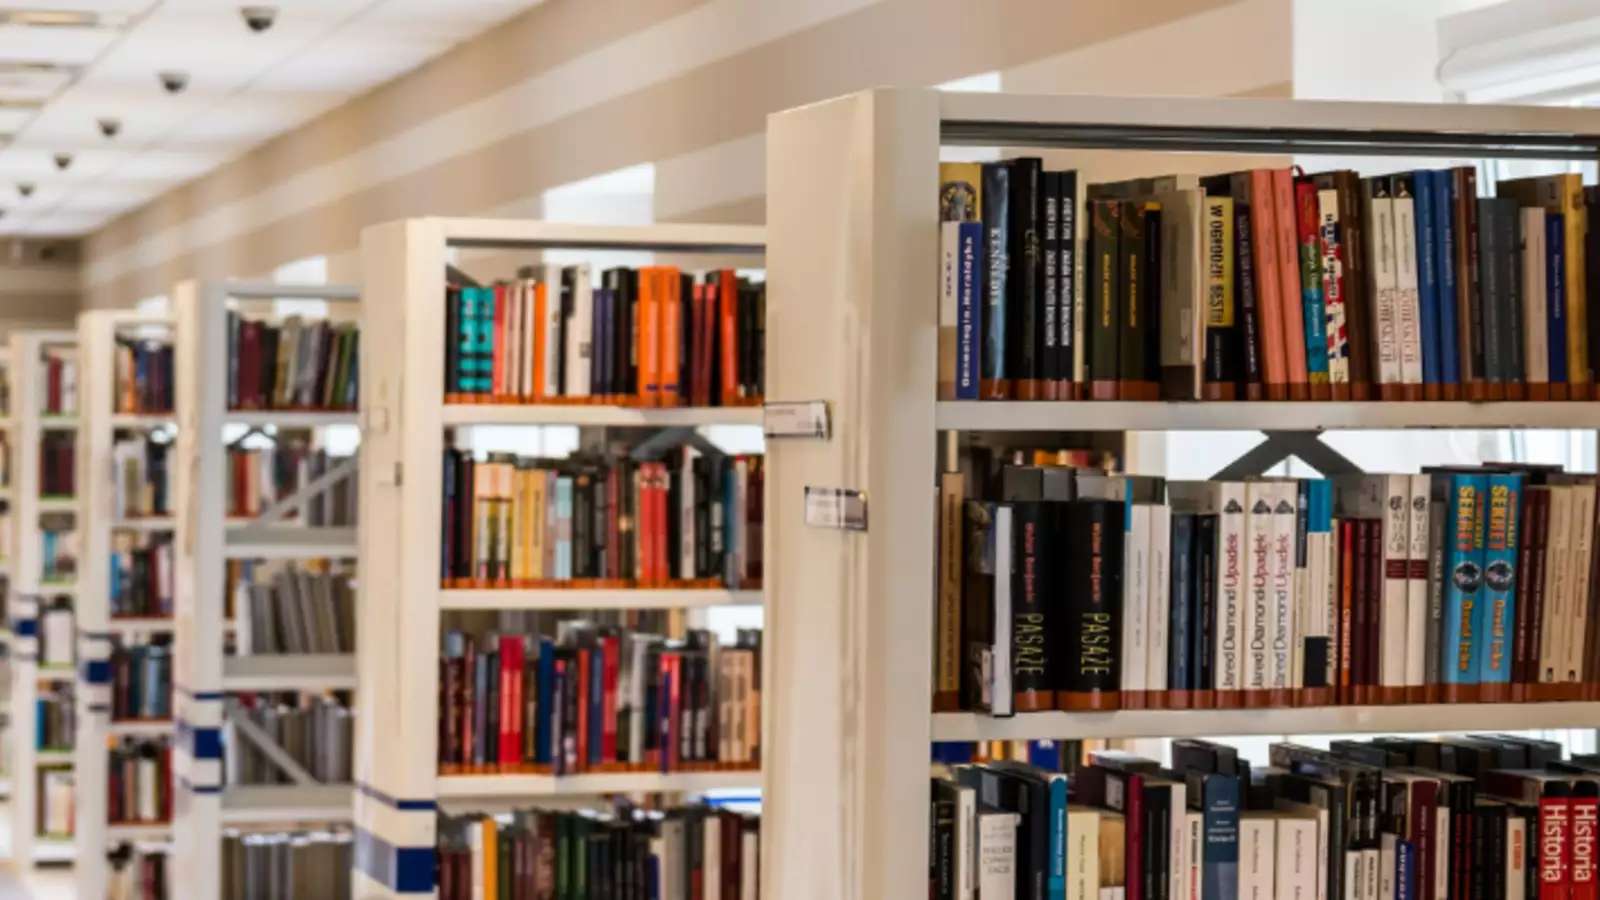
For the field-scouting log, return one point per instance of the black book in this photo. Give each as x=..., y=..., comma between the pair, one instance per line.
x=1025, y=287
x=1150, y=307
x=1205, y=594
x=1488, y=319
x=1183, y=612
x=1050, y=371
x=1221, y=340
x=1205, y=756
x=1248, y=338
x=1103, y=299
x=1030, y=652
x=1016, y=788
x=1091, y=669
x=452, y=346
x=1066, y=266
x=1132, y=296
x=992, y=361
x=1510, y=226
x=942, y=844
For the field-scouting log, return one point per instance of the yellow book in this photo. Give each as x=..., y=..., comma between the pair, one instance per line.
x=1563, y=194
x=535, y=523
x=491, y=858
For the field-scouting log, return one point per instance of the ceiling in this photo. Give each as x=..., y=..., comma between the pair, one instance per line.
x=66, y=64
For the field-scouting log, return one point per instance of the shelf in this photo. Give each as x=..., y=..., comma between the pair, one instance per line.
x=141, y=831
x=142, y=625
x=53, y=849
x=289, y=542
x=1406, y=719
x=57, y=423
x=56, y=673
x=595, y=598
x=152, y=523
x=289, y=672
x=489, y=786
x=55, y=588
x=52, y=757
x=596, y=415
x=978, y=415
x=139, y=728
x=143, y=420
x=283, y=803
x=290, y=418
x=56, y=504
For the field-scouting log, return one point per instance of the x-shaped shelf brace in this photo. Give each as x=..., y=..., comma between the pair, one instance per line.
x=668, y=439
x=1279, y=446
x=264, y=742
x=345, y=468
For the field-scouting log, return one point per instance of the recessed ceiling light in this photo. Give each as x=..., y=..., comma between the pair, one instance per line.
x=63, y=161
x=25, y=188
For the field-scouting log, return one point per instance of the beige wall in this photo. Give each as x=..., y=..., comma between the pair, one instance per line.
x=38, y=284
x=579, y=88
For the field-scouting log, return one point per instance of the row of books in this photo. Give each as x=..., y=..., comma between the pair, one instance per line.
x=651, y=336
x=291, y=365
x=57, y=472
x=689, y=852
x=1264, y=284
x=140, y=477
x=141, y=681
x=260, y=477
x=286, y=865
x=139, y=781
x=316, y=732
x=58, y=389
x=141, y=574
x=138, y=872
x=144, y=376
x=55, y=802
x=55, y=720
x=691, y=519
x=598, y=699
x=1079, y=590
x=1487, y=816
x=57, y=634
x=295, y=607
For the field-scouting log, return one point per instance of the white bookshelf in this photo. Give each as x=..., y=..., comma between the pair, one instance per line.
x=93, y=833
x=203, y=675
x=853, y=313
x=30, y=594
x=8, y=729
x=400, y=597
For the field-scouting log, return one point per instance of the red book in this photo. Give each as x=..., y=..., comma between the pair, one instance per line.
x=641, y=531
x=502, y=304
x=585, y=671
x=510, y=699
x=1274, y=350
x=1585, y=822
x=663, y=571
x=728, y=295
x=1294, y=322
x=1424, y=797
x=1555, y=847
x=609, y=647
x=464, y=730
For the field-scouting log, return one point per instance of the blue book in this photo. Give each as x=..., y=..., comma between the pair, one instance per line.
x=41, y=714
x=541, y=723
x=1044, y=755
x=1405, y=870
x=1427, y=275
x=1180, y=675
x=1220, y=802
x=1462, y=646
x=1555, y=230
x=1316, y=316
x=1317, y=651
x=563, y=554
x=1056, y=878
x=1500, y=576
x=1445, y=270
x=953, y=753
x=969, y=300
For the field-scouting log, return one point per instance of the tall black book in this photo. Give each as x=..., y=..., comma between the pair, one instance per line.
x=1132, y=295
x=1067, y=315
x=993, y=374
x=1104, y=328
x=1091, y=670
x=1025, y=285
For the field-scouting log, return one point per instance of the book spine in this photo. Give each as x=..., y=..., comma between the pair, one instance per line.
x=1392, y=615
x=1427, y=266
x=1203, y=622
x=1418, y=548
x=1031, y=676
x=996, y=192
x=1286, y=242
x=1555, y=848
x=1511, y=337
x=947, y=678
x=1220, y=321
x=1232, y=591
x=1556, y=308
x=1268, y=284
x=1050, y=247
x=1280, y=624
x=1333, y=270
x=1069, y=342
x=1221, y=805
x=1025, y=289
x=949, y=288
x=1104, y=308
x=1257, y=613
x=1464, y=570
x=1308, y=218
x=1501, y=527
x=1535, y=312
x=969, y=279
x=1249, y=340
x=1444, y=250
x=1574, y=220
x=1469, y=276
x=1135, y=604
x=1408, y=302
x=1492, y=300
x=1135, y=290
x=1181, y=591
x=1585, y=825
x=1384, y=274
x=1093, y=666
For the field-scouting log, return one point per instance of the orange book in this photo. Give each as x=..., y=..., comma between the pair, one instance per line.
x=728, y=295
x=491, y=855
x=536, y=332
x=648, y=336
x=1264, y=228
x=1287, y=241
x=671, y=335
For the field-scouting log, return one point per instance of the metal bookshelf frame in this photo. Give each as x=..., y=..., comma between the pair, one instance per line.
x=400, y=597
x=852, y=288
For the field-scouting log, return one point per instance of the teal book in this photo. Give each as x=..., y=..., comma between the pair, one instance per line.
x=1499, y=576
x=1462, y=647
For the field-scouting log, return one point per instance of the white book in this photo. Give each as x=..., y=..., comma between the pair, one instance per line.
x=1388, y=850
x=1319, y=815
x=1583, y=500
x=1136, y=597
x=1000, y=690
x=1558, y=553
x=1295, y=872
x=966, y=849
x=1408, y=301
x=1257, y=856
x=749, y=849
x=1516, y=852
x=1083, y=853
x=1354, y=874
x=949, y=295
x=550, y=377
x=1111, y=893
x=1441, y=860
x=686, y=504
x=1257, y=618
x=1160, y=607
x=1418, y=548
x=475, y=846
x=1333, y=301
x=711, y=858
x=57, y=632
x=1369, y=873
x=1177, y=841
x=527, y=378
x=579, y=335
x=997, y=854
x=1225, y=500
x=1194, y=853
x=1394, y=614
x=1385, y=275
x=1280, y=625
x=1535, y=299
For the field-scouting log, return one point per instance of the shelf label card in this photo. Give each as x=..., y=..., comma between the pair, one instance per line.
x=839, y=508
x=796, y=419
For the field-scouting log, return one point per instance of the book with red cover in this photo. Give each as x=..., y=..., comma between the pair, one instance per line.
x=1269, y=285
x=586, y=671
x=728, y=295
x=510, y=736
x=1585, y=808
x=669, y=327
x=1345, y=627
x=502, y=305
x=1292, y=317
x=609, y=648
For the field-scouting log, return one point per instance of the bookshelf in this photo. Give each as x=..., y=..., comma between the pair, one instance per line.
x=401, y=602
x=204, y=676
x=852, y=275
x=7, y=554
x=31, y=592
x=98, y=629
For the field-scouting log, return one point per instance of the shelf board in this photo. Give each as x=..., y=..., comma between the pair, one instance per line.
x=58, y=423
x=140, y=625
x=1014, y=415
x=591, y=784
x=284, y=803
x=139, y=728
x=139, y=831
x=290, y=418
x=1403, y=719
x=147, y=524
x=56, y=504
x=54, y=588
x=56, y=673
x=595, y=415
x=53, y=849
x=52, y=757
x=289, y=542
x=595, y=598
x=143, y=420
x=289, y=672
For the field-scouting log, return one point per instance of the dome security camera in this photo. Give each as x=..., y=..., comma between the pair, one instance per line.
x=109, y=127
x=173, y=81
x=63, y=160
x=259, y=18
